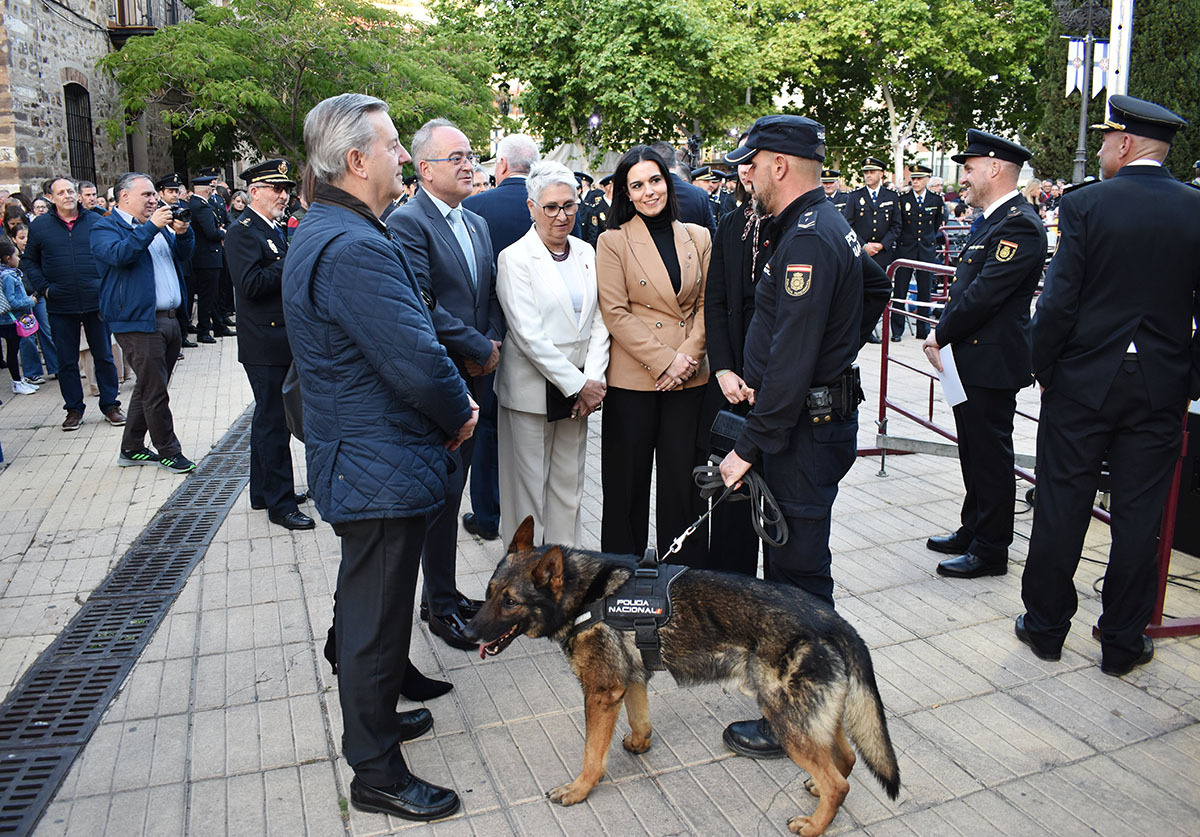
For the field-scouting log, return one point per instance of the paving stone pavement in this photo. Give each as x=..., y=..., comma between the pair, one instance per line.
x=229, y=723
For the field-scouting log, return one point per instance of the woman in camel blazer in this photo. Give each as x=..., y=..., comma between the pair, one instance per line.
x=546, y=283
x=651, y=269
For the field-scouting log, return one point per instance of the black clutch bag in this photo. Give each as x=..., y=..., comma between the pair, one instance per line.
x=558, y=406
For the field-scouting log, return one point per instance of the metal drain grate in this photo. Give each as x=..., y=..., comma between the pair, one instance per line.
x=60, y=703
x=107, y=628
x=54, y=709
x=149, y=571
x=27, y=782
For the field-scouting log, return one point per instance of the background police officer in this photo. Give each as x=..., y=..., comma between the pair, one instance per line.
x=1114, y=360
x=922, y=214
x=873, y=211
x=799, y=349
x=207, y=261
x=595, y=220
x=169, y=187
x=986, y=321
x=255, y=247
x=831, y=182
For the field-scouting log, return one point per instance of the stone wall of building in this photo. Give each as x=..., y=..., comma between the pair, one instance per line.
x=46, y=45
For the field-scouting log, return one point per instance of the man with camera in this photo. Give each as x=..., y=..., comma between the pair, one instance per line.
x=136, y=248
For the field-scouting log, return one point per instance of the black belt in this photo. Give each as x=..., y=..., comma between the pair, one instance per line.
x=843, y=395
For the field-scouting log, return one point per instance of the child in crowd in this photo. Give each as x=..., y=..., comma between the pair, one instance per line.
x=20, y=304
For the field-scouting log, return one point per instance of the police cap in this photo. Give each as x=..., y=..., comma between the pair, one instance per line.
x=874, y=164
x=582, y=176
x=830, y=175
x=1145, y=119
x=276, y=172
x=169, y=181
x=203, y=179
x=983, y=144
x=920, y=170
x=782, y=133
x=704, y=173
x=607, y=179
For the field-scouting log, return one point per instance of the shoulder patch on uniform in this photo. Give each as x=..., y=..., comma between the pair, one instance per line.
x=807, y=221
x=1016, y=210
x=798, y=280
x=245, y=222
x=1005, y=250
x=855, y=244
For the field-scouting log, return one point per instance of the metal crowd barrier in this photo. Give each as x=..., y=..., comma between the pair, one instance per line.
x=1024, y=463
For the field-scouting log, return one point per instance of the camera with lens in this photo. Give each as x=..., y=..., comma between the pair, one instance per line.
x=180, y=213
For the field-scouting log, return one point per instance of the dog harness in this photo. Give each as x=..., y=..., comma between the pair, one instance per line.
x=642, y=605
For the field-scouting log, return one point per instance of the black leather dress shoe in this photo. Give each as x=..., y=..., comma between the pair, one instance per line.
x=896, y=338
x=971, y=566
x=191, y=329
x=453, y=631
x=227, y=321
x=415, y=799
x=293, y=520
x=873, y=338
x=224, y=332
x=1023, y=635
x=1120, y=671
x=755, y=739
x=206, y=338
x=467, y=608
x=187, y=344
x=472, y=526
x=952, y=544
x=299, y=497
x=414, y=723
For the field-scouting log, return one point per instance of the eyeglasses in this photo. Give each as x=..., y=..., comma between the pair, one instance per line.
x=456, y=159
x=553, y=210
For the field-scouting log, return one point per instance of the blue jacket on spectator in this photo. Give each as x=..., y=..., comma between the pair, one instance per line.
x=122, y=252
x=59, y=265
x=14, y=288
x=381, y=397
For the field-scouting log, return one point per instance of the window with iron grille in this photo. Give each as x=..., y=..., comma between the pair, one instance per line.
x=79, y=132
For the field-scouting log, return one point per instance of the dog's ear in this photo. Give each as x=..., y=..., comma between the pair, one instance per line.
x=523, y=540
x=548, y=571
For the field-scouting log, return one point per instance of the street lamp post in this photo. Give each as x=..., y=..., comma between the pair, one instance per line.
x=1089, y=42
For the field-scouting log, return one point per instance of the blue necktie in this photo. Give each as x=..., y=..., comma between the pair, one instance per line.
x=975, y=225
x=464, y=241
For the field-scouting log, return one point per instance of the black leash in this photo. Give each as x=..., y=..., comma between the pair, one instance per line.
x=765, y=516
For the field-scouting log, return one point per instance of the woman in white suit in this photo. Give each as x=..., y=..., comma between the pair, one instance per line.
x=547, y=287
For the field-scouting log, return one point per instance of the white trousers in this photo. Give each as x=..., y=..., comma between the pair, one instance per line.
x=541, y=474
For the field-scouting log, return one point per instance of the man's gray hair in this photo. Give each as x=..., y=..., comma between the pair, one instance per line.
x=422, y=143
x=547, y=174
x=125, y=183
x=520, y=151
x=667, y=152
x=337, y=126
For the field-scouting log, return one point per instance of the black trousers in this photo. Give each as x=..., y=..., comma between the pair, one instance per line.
x=642, y=430
x=207, y=316
x=804, y=478
x=984, y=424
x=732, y=542
x=373, y=609
x=1141, y=446
x=271, y=480
x=152, y=355
x=900, y=291
x=439, y=559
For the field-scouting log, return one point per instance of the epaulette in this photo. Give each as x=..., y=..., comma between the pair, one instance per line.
x=245, y=222
x=807, y=221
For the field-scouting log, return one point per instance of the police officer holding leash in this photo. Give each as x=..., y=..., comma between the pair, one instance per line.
x=808, y=326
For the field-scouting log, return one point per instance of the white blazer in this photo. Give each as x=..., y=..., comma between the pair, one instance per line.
x=544, y=341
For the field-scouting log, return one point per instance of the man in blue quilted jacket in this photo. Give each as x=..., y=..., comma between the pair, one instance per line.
x=384, y=407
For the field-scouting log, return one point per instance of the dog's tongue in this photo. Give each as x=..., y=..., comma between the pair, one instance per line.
x=482, y=651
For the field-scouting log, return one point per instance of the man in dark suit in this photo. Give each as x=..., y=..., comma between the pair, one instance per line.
x=218, y=197
x=450, y=253
x=507, y=216
x=831, y=182
x=692, y=200
x=922, y=214
x=207, y=260
x=986, y=322
x=1114, y=361
x=255, y=247
x=873, y=211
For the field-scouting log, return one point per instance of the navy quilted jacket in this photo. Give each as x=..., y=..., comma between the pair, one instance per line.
x=380, y=395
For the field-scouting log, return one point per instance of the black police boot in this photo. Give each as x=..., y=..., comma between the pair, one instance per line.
x=754, y=739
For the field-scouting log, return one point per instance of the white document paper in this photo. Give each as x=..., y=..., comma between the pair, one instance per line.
x=952, y=387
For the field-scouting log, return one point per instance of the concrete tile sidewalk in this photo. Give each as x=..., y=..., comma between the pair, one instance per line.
x=229, y=723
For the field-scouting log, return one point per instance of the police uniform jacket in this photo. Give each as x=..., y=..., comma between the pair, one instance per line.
x=648, y=321
x=209, y=235
x=808, y=311
x=876, y=222
x=986, y=319
x=255, y=252
x=220, y=212
x=1127, y=270
x=595, y=221
x=840, y=199
x=920, y=220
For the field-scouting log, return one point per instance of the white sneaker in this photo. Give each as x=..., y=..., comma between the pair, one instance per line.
x=29, y=382
x=22, y=388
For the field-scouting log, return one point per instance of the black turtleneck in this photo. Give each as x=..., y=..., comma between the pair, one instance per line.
x=663, y=232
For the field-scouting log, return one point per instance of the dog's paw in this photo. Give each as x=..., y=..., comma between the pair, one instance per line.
x=568, y=794
x=811, y=787
x=635, y=747
x=804, y=827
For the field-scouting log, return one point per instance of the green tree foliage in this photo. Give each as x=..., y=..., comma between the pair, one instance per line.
x=247, y=73
x=881, y=72
x=647, y=70
x=1165, y=68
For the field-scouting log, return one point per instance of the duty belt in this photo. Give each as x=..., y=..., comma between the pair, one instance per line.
x=642, y=605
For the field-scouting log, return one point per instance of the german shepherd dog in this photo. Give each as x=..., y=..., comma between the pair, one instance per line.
x=809, y=670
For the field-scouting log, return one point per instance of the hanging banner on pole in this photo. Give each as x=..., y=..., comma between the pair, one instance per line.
x=1099, y=67
x=1120, y=36
x=1075, y=59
